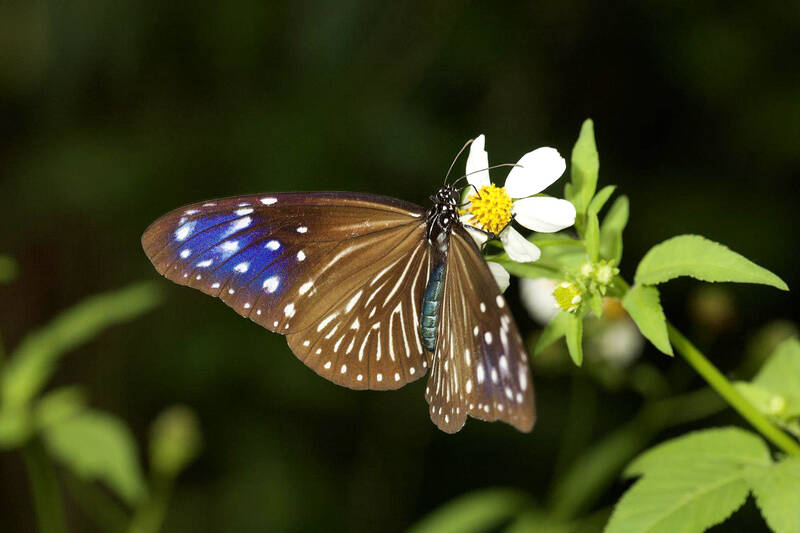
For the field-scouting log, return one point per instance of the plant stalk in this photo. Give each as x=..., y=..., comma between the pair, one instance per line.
x=44, y=486
x=725, y=389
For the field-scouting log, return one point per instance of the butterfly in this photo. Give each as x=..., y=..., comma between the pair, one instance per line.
x=371, y=292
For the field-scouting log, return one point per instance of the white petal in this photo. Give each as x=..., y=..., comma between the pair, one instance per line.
x=501, y=275
x=517, y=247
x=479, y=236
x=536, y=171
x=478, y=160
x=544, y=214
x=537, y=298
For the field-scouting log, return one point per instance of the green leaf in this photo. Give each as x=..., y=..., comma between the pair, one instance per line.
x=476, y=511
x=596, y=304
x=8, y=269
x=690, y=483
x=574, y=334
x=174, y=441
x=96, y=445
x=700, y=258
x=781, y=373
x=528, y=270
x=556, y=329
x=778, y=495
x=592, y=237
x=585, y=166
x=601, y=198
x=58, y=405
x=35, y=358
x=779, y=406
x=15, y=427
x=611, y=230
x=643, y=304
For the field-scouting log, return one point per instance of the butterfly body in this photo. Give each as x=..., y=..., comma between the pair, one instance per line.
x=370, y=291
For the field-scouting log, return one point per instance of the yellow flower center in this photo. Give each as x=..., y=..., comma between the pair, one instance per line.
x=490, y=208
x=568, y=296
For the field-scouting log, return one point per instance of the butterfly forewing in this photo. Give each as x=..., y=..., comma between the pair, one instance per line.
x=480, y=366
x=291, y=261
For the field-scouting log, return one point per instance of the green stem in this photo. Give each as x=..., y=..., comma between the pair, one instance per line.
x=725, y=389
x=557, y=242
x=45, y=489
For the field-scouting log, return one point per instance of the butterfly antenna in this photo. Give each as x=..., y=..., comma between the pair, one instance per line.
x=485, y=169
x=456, y=159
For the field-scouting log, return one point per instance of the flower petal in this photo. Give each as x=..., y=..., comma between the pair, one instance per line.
x=479, y=236
x=517, y=247
x=544, y=214
x=478, y=162
x=536, y=171
x=501, y=275
x=537, y=298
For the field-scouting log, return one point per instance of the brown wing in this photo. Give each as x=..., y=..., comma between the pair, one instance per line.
x=307, y=264
x=479, y=367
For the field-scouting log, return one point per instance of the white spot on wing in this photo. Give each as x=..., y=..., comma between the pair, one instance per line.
x=289, y=310
x=302, y=229
x=301, y=255
x=206, y=263
x=244, y=211
x=186, y=253
x=273, y=245
x=184, y=231
x=242, y=267
x=271, y=284
x=305, y=287
x=268, y=200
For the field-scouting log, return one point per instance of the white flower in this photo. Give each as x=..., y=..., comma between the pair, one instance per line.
x=492, y=208
x=618, y=342
x=537, y=298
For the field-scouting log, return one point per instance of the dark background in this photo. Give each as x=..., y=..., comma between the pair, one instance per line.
x=113, y=114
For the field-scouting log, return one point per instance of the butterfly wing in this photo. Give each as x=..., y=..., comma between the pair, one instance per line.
x=313, y=266
x=479, y=367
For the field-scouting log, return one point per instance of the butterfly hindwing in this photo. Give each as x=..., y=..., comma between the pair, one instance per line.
x=480, y=366
x=368, y=338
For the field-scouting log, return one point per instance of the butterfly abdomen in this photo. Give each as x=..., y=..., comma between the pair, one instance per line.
x=431, y=305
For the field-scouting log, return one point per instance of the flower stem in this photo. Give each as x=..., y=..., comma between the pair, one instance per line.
x=725, y=389
x=45, y=489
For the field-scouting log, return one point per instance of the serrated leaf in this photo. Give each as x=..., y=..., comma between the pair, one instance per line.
x=592, y=237
x=32, y=363
x=601, y=198
x=644, y=305
x=574, y=335
x=477, y=511
x=778, y=496
x=611, y=230
x=728, y=445
x=690, y=483
x=553, y=331
x=585, y=166
x=700, y=258
x=96, y=445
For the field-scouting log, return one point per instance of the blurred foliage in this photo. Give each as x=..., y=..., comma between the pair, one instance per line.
x=110, y=115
